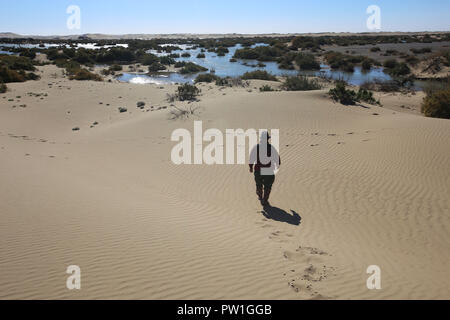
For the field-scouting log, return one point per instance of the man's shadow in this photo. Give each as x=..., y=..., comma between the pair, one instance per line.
x=277, y=214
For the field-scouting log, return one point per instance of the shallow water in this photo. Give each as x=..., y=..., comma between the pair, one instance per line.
x=222, y=67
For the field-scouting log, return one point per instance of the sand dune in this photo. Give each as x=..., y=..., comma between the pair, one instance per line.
x=357, y=187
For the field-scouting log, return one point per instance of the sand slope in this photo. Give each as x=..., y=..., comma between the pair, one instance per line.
x=355, y=189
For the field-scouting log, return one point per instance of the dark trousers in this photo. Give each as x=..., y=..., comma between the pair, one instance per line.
x=264, y=181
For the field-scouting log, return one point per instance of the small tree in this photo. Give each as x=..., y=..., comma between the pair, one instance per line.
x=187, y=92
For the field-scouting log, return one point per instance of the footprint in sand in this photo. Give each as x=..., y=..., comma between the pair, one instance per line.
x=310, y=271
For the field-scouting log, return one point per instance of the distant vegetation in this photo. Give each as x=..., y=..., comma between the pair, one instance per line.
x=266, y=88
x=156, y=66
x=191, y=67
x=259, y=75
x=396, y=69
x=347, y=63
x=421, y=51
x=3, y=88
x=83, y=74
x=301, y=83
x=206, y=77
x=307, y=62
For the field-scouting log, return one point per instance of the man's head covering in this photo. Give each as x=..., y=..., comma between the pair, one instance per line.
x=265, y=136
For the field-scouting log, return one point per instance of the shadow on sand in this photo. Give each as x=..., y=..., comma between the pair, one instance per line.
x=277, y=214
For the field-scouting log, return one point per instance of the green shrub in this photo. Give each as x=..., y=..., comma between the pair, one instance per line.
x=396, y=69
x=7, y=75
x=186, y=55
x=301, y=83
x=167, y=60
x=17, y=63
x=187, y=92
x=155, y=67
x=148, y=59
x=342, y=95
x=366, y=65
x=259, y=75
x=29, y=53
x=191, y=67
x=307, y=62
x=84, y=74
x=411, y=60
x=261, y=53
x=201, y=56
x=390, y=64
x=206, y=77
x=421, y=51
x=349, y=97
x=180, y=64
x=436, y=104
x=115, y=67
x=266, y=88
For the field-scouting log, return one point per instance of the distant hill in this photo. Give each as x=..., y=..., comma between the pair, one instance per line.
x=99, y=36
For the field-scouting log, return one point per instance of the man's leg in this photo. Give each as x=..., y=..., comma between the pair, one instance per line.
x=259, y=185
x=268, y=182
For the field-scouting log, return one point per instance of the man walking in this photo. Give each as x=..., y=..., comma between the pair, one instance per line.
x=264, y=162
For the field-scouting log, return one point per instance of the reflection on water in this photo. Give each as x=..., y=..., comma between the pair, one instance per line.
x=222, y=67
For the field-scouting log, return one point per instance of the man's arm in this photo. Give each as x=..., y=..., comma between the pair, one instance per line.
x=253, y=158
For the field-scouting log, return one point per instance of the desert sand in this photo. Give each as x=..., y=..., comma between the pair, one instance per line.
x=357, y=187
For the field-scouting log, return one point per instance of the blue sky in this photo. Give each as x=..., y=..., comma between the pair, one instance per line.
x=48, y=17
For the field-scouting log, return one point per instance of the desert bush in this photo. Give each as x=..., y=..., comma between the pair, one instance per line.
x=206, y=77
x=17, y=63
x=155, y=67
x=421, y=51
x=306, y=43
x=187, y=92
x=349, y=97
x=307, y=62
x=180, y=64
x=166, y=60
x=375, y=49
x=231, y=82
x=390, y=64
x=266, y=88
x=83, y=74
x=301, y=83
x=148, y=59
x=436, y=104
x=259, y=75
x=260, y=53
x=115, y=67
x=366, y=65
x=201, y=56
x=191, y=67
x=185, y=54
x=232, y=60
x=411, y=60
x=7, y=75
x=3, y=88
x=340, y=61
x=29, y=53
x=182, y=113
